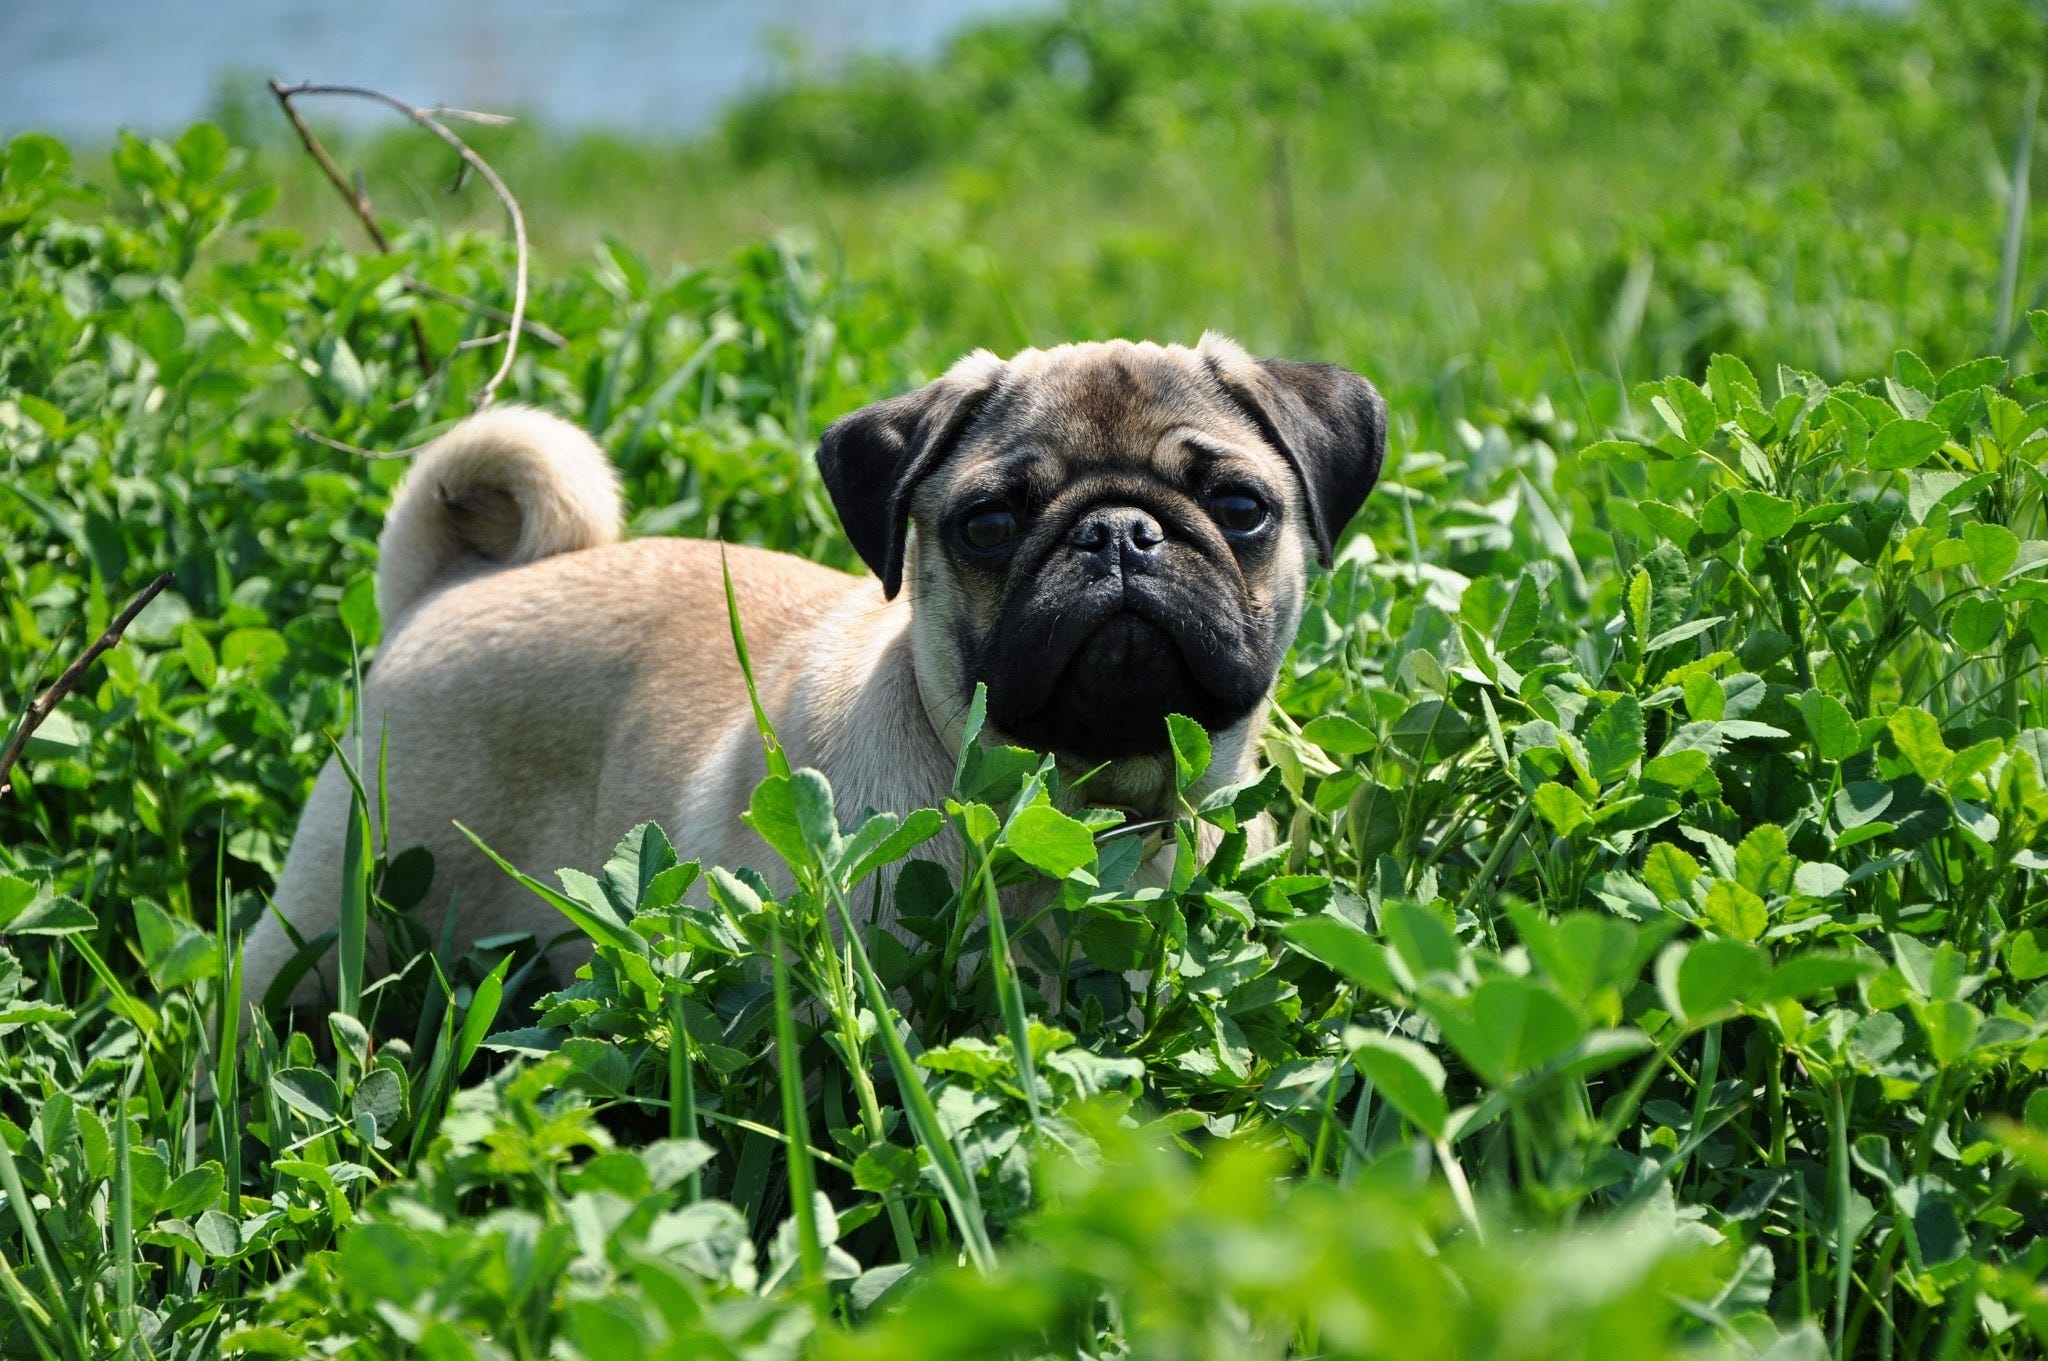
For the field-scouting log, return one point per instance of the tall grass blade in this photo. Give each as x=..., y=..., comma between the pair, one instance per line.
x=352, y=941
x=123, y=1194
x=476, y=1020
x=59, y=1316
x=34, y=1318
x=682, y=1088
x=2016, y=205
x=796, y=1129
x=955, y=1184
x=601, y=929
x=1838, y=1176
x=778, y=763
x=1009, y=993
x=434, y=1094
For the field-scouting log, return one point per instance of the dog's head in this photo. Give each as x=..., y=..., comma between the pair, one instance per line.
x=1107, y=533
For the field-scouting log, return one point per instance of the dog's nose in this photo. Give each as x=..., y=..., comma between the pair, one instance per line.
x=1114, y=532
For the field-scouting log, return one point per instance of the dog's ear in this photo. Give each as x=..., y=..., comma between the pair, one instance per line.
x=873, y=459
x=1327, y=422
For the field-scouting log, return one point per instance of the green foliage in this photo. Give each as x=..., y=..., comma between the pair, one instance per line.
x=1651, y=962
x=1474, y=204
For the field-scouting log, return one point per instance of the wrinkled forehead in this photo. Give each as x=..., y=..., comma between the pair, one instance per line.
x=1112, y=403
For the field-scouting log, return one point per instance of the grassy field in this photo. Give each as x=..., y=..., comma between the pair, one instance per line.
x=1654, y=966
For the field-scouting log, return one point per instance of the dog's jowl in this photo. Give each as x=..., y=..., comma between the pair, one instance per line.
x=1102, y=534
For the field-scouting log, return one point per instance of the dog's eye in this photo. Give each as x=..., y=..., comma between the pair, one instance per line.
x=1237, y=512
x=988, y=529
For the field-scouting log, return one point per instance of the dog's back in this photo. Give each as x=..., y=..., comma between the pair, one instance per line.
x=546, y=685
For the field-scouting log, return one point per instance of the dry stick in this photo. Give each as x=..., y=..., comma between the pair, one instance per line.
x=358, y=201
x=426, y=118
x=541, y=331
x=47, y=702
x=343, y=446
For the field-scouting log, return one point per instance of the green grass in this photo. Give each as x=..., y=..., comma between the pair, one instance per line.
x=1654, y=962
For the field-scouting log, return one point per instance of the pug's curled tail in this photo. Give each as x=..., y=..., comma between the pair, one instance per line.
x=504, y=487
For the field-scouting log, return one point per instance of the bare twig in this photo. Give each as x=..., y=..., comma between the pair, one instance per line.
x=358, y=450
x=489, y=120
x=540, y=331
x=47, y=702
x=358, y=201
x=430, y=119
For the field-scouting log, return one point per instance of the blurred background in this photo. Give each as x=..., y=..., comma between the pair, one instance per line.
x=85, y=71
x=1475, y=201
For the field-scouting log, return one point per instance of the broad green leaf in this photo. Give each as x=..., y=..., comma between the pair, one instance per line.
x=1803, y=976
x=1431, y=730
x=1904, y=443
x=2026, y=954
x=1766, y=516
x=640, y=857
x=1993, y=550
x=381, y=1096
x=308, y=1091
x=1671, y=522
x=218, y=1234
x=1614, y=740
x=1734, y=386
x=1421, y=939
x=16, y=894
x=1407, y=1075
x=1669, y=872
x=255, y=650
x=1711, y=978
x=1938, y=1233
x=771, y=812
x=1679, y=633
x=1860, y=801
x=1988, y=371
x=1191, y=749
x=810, y=799
x=42, y=914
x=193, y=1192
x=1919, y=740
x=1508, y=1026
x=1619, y=451
x=1677, y=769
x=1047, y=839
x=198, y=654
x=1560, y=807
x=1705, y=698
x=862, y=860
x=1340, y=736
x=1819, y=880
x=1762, y=863
x=1735, y=910
x=1686, y=409
x=1345, y=948
x=1951, y=1028
x=886, y=1167
x=1835, y=735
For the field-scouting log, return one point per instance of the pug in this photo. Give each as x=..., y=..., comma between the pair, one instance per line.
x=1102, y=534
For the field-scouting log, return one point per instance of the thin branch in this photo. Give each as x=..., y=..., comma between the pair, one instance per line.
x=427, y=119
x=358, y=450
x=47, y=702
x=358, y=200
x=540, y=331
x=489, y=120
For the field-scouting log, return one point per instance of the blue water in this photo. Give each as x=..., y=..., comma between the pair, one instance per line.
x=83, y=68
